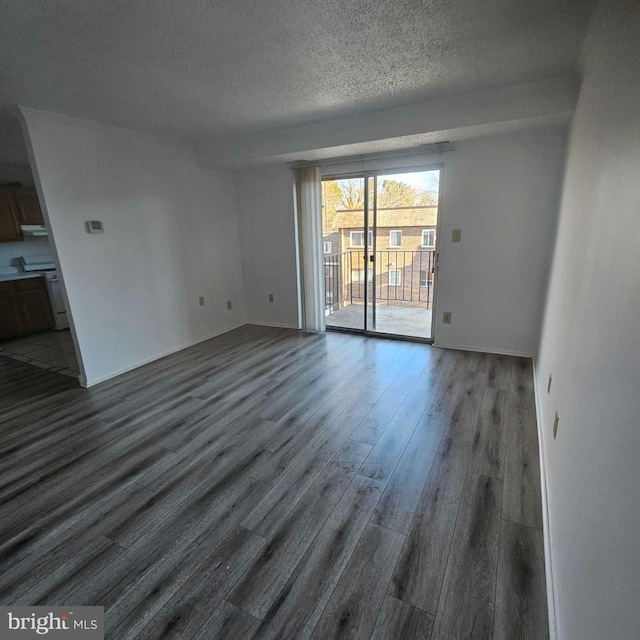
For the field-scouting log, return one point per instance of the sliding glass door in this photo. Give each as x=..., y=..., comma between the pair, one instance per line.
x=380, y=252
x=346, y=245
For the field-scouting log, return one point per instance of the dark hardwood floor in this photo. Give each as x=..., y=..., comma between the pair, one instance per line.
x=276, y=484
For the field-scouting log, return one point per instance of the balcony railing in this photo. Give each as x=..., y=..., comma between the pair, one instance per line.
x=399, y=278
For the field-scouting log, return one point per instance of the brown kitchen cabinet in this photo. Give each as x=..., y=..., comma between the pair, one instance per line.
x=10, y=324
x=24, y=307
x=9, y=216
x=28, y=206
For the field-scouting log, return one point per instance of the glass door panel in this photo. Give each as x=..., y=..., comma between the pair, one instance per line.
x=380, y=234
x=405, y=220
x=345, y=247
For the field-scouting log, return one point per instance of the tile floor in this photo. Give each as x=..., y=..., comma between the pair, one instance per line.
x=52, y=350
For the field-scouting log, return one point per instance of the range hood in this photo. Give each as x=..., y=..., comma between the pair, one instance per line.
x=34, y=230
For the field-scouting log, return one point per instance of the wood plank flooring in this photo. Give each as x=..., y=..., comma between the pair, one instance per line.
x=272, y=484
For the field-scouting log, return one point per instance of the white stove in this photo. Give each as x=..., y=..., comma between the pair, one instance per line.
x=46, y=266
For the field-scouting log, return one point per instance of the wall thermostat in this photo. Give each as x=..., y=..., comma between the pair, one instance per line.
x=94, y=226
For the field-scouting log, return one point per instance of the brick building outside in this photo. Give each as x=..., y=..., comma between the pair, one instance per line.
x=404, y=257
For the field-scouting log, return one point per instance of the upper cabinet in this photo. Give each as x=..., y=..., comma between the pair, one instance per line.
x=9, y=216
x=28, y=206
x=18, y=205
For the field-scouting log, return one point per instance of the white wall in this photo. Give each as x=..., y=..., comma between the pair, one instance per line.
x=16, y=173
x=501, y=190
x=267, y=236
x=171, y=235
x=591, y=345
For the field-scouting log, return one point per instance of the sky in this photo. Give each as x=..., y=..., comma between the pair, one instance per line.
x=426, y=180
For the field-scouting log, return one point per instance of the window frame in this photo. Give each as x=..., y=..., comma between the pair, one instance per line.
x=360, y=246
x=428, y=246
x=399, y=275
x=324, y=248
x=361, y=276
x=352, y=244
x=395, y=246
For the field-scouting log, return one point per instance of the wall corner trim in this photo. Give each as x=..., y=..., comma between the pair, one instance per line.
x=546, y=525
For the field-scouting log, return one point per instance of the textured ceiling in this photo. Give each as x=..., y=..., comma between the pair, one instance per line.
x=198, y=69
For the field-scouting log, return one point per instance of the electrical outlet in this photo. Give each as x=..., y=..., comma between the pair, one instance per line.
x=549, y=383
x=201, y=301
x=229, y=305
x=555, y=425
x=271, y=297
x=456, y=235
x=446, y=317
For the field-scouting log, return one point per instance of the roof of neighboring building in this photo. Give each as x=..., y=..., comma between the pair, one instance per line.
x=425, y=216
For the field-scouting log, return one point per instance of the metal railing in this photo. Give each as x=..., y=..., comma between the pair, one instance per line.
x=398, y=278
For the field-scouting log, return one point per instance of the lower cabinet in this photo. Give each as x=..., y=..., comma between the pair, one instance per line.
x=24, y=307
x=9, y=314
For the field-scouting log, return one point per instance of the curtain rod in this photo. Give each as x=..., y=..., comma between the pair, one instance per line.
x=438, y=147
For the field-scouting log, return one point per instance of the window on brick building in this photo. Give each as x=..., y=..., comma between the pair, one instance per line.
x=357, y=276
x=395, y=238
x=428, y=238
x=356, y=238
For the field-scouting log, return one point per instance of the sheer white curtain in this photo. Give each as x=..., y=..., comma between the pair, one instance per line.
x=309, y=211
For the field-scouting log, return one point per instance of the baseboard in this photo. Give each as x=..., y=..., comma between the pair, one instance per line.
x=280, y=325
x=546, y=527
x=91, y=383
x=499, y=352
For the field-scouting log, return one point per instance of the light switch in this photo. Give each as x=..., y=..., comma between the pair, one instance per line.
x=456, y=235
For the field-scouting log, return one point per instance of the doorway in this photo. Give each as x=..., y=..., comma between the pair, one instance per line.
x=380, y=259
